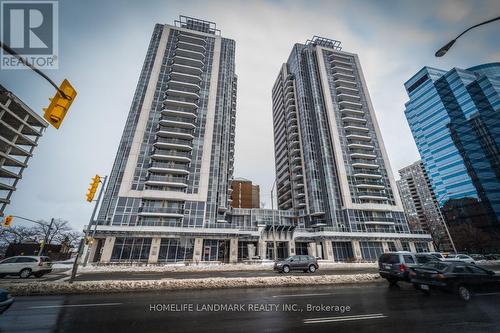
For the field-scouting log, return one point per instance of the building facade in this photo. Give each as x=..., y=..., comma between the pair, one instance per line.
x=175, y=160
x=169, y=195
x=421, y=206
x=332, y=168
x=244, y=194
x=455, y=119
x=20, y=130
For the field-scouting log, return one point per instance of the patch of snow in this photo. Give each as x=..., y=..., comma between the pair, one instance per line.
x=110, y=286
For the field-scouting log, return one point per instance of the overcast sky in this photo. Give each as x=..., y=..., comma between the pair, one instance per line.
x=102, y=45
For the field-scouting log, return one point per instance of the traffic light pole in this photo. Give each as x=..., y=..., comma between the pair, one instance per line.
x=27, y=64
x=87, y=233
x=47, y=234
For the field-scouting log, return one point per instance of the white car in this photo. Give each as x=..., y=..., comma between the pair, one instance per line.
x=461, y=257
x=25, y=266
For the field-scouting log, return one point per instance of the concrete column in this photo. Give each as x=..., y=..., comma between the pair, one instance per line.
x=385, y=246
x=233, y=250
x=412, y=247
x=262, y=249
x=92, y=250
x=327, y=250
x=251, y=251
x=399, y=246
x=198, y=248
x=291, y=247
x=431, y=247
x=356, y=248
x=311, y=249
x=107, y=249
x=155, y=249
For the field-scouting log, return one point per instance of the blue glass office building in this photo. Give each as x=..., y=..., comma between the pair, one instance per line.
x=455, y=119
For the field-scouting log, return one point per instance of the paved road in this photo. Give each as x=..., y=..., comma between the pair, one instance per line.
x=372, y=308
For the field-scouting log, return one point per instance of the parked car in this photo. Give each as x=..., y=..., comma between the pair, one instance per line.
x=492, y=256
x=395, y=266
x=461, y=257
x=297, y=262
x=25, y=266
x=438, y=255
x=454, y=276
x=6, y=300
x=477, y=257
x=424, y=258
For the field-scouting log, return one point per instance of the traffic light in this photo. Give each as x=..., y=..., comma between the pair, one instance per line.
x=93, y=188
x=7, y=221
x=59, y=105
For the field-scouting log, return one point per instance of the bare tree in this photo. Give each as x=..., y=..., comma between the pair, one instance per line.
x=470, y=238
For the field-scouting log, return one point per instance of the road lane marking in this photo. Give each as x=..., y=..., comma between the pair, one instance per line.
x=72, y=305
x=303, y=295
x=487, y=294
x=344, y=318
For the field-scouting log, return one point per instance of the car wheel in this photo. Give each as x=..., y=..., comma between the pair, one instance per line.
x=312, y=268
x=425, y=292
x=2, y=276
x=286, y=269
x=392, y=281
x=464, y=293
x=416, y=286
x=25, y=273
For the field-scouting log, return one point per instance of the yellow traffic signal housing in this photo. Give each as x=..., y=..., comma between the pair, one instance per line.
x=7, y=221
x=59, y=106
x=93, y=188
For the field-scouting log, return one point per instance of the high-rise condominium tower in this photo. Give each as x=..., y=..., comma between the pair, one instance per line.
x=174, y=164
x=331, y=161
x=420, y=204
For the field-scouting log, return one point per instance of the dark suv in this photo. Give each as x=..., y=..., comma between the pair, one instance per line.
x=395, y=266
x=297, y=263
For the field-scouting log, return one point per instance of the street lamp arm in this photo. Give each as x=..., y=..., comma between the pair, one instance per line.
x=477, y=25
x=442, y=51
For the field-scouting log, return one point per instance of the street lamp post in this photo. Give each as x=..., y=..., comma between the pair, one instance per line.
x=442, y=51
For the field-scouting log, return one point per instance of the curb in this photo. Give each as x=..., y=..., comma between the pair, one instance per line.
x=115, y=286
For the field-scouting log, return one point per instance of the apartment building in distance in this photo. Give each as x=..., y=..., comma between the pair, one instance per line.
x=244, y=194
x=421, y=206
